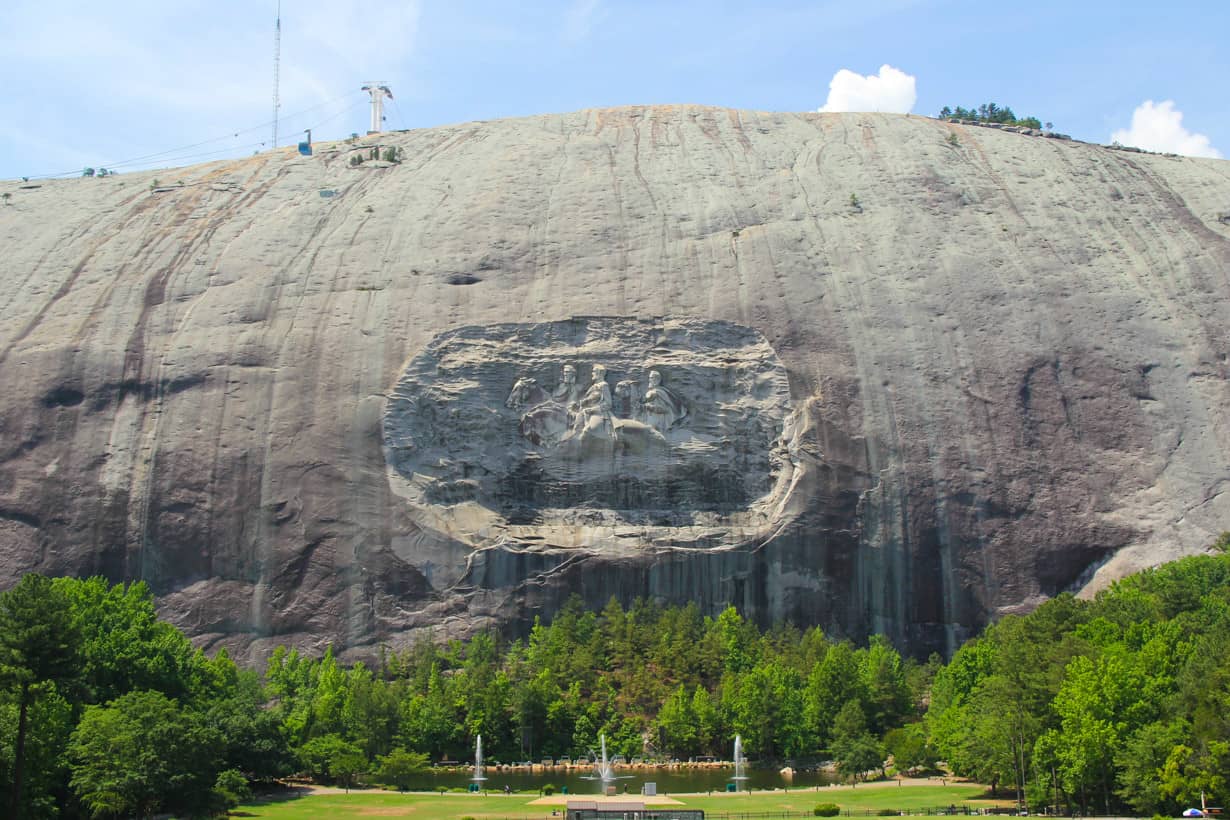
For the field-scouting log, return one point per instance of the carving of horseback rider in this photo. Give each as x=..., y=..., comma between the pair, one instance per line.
x=567, y=393
x=662, y=409
x=594, y=415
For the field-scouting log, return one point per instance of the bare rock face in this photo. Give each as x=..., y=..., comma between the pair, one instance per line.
x=876, y=372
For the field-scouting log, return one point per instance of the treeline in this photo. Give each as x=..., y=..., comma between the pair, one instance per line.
x=1119, y=702
x=1122, y=702
x=106, y=710
x=991, y=112
x=662, y=681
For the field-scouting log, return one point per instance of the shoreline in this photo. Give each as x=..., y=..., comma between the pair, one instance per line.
x=662, y=797
x=452, y=767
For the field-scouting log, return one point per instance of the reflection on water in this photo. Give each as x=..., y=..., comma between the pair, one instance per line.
x=676, y=781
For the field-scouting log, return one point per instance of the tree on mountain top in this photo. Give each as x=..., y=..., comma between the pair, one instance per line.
x=989, y=112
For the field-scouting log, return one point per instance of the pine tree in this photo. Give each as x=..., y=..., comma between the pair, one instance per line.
x=38, y=647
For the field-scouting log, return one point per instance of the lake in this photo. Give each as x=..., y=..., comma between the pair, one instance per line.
x=674, y=780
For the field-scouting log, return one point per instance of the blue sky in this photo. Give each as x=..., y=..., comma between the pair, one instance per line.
x=108, y=84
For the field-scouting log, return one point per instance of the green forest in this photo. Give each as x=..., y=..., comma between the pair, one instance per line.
x=991, y=112
x=1121, y=703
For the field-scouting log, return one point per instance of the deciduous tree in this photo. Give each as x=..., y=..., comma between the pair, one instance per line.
x=140, y=754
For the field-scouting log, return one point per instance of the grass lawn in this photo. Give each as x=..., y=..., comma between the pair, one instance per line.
x=425, y=806
x=422, y=805
x=867, y=797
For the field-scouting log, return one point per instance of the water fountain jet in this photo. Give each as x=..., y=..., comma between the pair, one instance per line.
x=603, y=769
x=478, y=777
x=740, y=764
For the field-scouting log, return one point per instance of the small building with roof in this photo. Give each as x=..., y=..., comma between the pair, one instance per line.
x=628, y=810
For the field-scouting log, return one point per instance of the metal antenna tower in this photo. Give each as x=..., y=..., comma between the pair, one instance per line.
x=277, y=62
x=379, y=91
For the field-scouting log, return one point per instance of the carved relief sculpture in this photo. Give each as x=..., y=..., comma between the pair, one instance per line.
x=594, y=436
x=567, y=393
x=661, y=409
x=593, y=415
x=625, y=416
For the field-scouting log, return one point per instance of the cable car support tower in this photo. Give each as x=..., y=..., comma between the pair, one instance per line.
x=379, y=90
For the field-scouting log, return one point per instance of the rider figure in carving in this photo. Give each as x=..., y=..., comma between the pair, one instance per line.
x=545, y=417
x=590, y=418
x=567, y=393
x=662, y=409
x=593, y=415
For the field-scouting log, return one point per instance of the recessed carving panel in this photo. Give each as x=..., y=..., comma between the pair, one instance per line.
x=594, y=431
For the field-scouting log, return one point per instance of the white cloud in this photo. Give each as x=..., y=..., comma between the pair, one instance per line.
x=891, y=90
x=1159, y=127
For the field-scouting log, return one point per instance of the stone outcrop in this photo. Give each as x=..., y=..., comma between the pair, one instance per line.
x=832, y=368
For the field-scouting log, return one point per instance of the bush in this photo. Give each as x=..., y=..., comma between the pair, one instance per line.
x=548, y=789
x=401, y=768
x=231, y=788
x=332, y=759
x=826, y=810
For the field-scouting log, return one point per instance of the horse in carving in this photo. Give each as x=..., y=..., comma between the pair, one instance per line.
x=546, y=420
x=526, y=392
x=627, y=403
